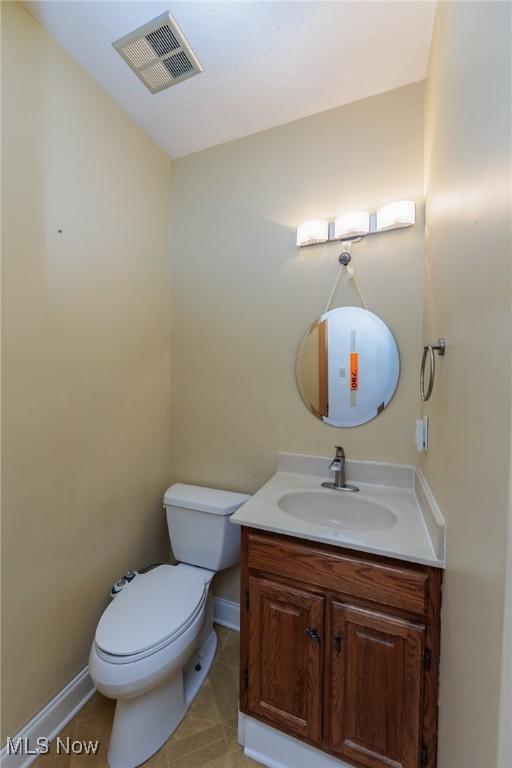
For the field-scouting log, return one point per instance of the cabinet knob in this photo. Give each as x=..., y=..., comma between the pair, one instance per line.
x=337, y=642
x=312, y=632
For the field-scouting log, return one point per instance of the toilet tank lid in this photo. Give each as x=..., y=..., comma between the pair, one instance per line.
x=204, y=499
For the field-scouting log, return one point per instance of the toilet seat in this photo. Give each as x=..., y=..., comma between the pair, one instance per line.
x=150, y=613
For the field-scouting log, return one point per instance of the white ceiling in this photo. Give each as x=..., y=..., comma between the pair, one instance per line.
x=265, y=63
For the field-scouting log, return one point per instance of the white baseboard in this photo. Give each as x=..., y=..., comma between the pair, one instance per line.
x=49, y=721
x=226, y=613
x=275, y=749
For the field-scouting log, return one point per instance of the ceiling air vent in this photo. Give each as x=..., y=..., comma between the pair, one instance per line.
x=159, y=54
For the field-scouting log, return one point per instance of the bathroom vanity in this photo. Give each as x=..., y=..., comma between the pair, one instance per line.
x=340, y=640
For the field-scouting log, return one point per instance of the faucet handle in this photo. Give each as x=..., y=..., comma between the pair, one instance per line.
x=340, y=453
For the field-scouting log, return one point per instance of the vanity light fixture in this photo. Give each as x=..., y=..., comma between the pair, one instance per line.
x=312, y=232
x=356, y=224
x=396, y=215
x=353, y=224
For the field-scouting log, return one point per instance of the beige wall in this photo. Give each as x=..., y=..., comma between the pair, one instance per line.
x=86, y=438
x=468, y=302
x=505, y=740
x=243, y=294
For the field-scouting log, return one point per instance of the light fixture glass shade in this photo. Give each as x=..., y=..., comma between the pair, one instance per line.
x=315, y=231
x=353, y=224
x=394, y=215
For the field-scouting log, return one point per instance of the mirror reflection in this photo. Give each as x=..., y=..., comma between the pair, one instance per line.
x=348, y=367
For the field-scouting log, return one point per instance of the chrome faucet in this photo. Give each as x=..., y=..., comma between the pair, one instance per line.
x=337, y=466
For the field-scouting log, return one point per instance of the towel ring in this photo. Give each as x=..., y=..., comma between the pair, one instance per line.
x=428, y=351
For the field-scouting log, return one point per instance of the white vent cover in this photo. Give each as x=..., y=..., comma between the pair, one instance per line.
x=159, y=54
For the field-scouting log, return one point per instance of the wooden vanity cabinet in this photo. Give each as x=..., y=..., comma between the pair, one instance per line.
x=341, y=649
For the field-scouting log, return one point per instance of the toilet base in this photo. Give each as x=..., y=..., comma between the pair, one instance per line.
x=142, y=724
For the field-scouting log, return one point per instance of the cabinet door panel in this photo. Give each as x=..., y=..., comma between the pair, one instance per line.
x=376, y=688
x=285, y=656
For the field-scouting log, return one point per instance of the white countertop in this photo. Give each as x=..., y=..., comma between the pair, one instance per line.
x=417, y=535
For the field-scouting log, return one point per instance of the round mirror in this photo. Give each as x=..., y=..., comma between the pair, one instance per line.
x=348, y=367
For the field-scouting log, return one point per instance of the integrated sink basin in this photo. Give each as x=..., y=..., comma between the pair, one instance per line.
x=394, y=513
x=335, y=509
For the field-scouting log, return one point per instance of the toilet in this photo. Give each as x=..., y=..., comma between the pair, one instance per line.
x=155, y=643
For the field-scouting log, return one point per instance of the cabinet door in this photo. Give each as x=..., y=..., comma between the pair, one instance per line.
x=285, y=642
x=376, y=688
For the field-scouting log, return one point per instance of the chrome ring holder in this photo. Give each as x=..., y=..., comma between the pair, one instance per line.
x=428, y=351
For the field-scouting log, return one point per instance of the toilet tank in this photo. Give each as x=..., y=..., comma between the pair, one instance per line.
x=199, y=527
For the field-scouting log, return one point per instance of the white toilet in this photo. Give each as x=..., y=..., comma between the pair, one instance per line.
x=155, y=643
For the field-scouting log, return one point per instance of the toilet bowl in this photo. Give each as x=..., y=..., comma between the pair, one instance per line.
x=155, y=643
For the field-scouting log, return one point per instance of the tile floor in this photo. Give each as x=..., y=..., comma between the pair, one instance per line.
x=206, y=737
